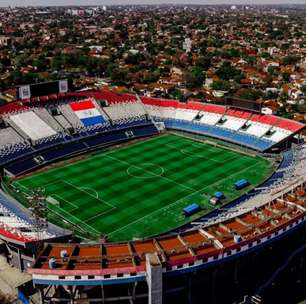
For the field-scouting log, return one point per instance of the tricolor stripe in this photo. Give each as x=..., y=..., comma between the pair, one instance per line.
x=87, y=112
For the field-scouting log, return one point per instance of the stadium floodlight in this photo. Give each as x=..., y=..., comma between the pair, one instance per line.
x=39, y=210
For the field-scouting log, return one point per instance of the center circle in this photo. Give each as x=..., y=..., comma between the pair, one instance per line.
x=145, y=170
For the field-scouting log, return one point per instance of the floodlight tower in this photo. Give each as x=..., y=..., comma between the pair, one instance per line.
x=39, y=210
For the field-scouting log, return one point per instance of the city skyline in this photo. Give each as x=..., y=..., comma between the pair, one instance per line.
x=5, y=3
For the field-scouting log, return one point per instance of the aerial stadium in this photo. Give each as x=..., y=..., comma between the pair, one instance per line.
x=121, y=198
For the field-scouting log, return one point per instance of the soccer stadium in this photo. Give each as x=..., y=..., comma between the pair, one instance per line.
x=121, y=198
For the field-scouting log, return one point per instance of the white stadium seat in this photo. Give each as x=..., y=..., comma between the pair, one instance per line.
x=32, y=125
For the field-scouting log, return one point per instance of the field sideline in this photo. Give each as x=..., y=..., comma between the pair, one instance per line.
x=140, y=189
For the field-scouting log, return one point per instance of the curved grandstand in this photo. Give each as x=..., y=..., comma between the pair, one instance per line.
x=182, y=186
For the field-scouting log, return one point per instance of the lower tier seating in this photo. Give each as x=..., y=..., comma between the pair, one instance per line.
x=79, y=145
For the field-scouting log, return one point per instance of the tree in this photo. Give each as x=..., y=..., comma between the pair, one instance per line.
x=221, y=85
x=231, y=53
x=270, y=95
x=286, y=77
x=203, y=62
x=177, y=94
x=133, y=58
x=249, y=94
x=290, y=59
x=226, y=71
x=194, y=78
x=272, y=70
x=265, y=55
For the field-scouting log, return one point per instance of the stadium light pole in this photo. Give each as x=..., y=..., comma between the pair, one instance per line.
x=39, y=210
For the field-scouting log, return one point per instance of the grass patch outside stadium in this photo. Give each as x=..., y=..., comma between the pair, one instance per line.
x=139, y=190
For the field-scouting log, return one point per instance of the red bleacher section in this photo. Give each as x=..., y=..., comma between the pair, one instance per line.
x=12, y=107
x=109, y=96
x=83, y=105
x=12, y=235
x=167, y=103
x=113, y=97
x=239, y=114
x=265, y=119
x=288, y=125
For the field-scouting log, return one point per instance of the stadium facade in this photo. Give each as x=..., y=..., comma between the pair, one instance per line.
x=221, y=256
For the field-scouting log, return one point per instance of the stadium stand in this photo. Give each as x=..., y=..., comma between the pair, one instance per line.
x=131, y=118
x=16, y=225
x=257, y=131
x=55, y=122
x=87, y=113
x=121, y=112
x=182, y=114
x=9, y=138
x=210, y=118
x=45, y=116
x=34, y=127
x=70, y=116
x=278, y=134
x=62, y=121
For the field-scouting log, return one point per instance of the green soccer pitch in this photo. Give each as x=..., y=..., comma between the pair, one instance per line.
x=140, y=189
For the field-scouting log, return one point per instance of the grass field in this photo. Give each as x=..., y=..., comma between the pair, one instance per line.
x=140, y=189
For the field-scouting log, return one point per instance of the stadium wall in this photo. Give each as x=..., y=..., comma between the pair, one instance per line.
x=223, y=281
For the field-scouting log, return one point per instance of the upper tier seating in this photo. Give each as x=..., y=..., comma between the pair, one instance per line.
x=153, y=111
x=15, y=224
x=12, y=144
x=9, y=137
x=32, y=125
x=217, y=132
x=289, y=125
x=88, y=112
x=278, y=134
x=238, y=114
x=254, y=130
x=62, y=121
x=125, y=111
x=210, y=118
x=70, y=116
x=46, y=116
x=185, y=114
x=233, y=122
x=265, y=119
x=109, y=96
x=35, y=129
x=257, y=129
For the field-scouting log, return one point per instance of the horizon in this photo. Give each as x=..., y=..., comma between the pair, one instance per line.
x=65, y=3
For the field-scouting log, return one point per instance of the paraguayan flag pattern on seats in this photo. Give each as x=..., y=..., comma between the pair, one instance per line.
x=87, y=112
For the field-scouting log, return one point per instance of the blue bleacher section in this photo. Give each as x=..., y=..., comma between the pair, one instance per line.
x=80, y=143
x=9, y=156
x=22, y=166
x=91, y=121
x=253, y=142
x=62, y=151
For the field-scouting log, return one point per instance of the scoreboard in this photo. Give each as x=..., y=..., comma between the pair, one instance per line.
x=43, y=89
x=244, y=104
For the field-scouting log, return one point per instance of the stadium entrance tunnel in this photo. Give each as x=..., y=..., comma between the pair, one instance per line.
x=145, y=170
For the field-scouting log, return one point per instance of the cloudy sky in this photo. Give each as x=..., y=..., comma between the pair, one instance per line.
x=107, y=2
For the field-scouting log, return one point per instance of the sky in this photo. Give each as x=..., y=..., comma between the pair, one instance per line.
x=108, y=2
